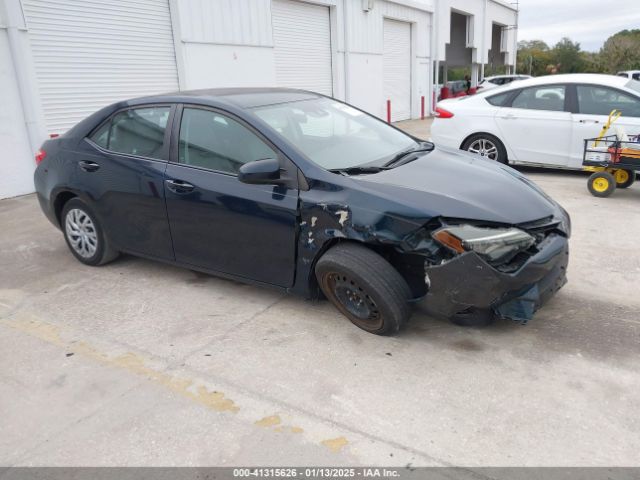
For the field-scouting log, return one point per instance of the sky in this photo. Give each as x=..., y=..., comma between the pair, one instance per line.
x=589, y=22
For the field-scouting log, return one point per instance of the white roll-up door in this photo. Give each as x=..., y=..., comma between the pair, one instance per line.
x=397, y=68
x=90, y=53
x=302, y=43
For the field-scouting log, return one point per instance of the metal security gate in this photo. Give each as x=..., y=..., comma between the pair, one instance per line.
x=397, y=68
x=302, y=46
x=90, y=53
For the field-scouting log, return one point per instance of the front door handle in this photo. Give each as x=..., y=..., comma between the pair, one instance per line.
x=588, y=121
x=509, y=117
x=88, y=166
x=179, y=186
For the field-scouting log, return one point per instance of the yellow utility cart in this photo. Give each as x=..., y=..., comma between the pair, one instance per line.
x=612, y=160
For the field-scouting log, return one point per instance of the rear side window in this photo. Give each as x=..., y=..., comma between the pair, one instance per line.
x=541, y=98
x=500, y=99
x=596, y=100
x=137, y=131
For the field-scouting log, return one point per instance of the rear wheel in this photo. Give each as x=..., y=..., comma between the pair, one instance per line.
x=84, y=235
x=487, y=146
x=365, y=288
x=601, y=184
x=624, y=178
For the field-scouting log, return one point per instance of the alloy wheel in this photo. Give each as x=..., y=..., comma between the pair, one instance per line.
x=484, y=148
x=81, y=233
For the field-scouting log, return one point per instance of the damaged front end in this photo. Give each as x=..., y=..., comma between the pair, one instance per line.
x=459, y=269
x=509, y=272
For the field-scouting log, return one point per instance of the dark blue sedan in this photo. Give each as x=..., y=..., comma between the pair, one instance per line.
x=304, y=193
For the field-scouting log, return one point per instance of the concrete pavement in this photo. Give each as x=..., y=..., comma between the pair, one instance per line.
x=140, y=363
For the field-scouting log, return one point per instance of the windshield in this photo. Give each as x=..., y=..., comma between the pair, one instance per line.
x=334, y=135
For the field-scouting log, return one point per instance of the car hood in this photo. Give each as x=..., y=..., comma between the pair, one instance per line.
x=455, y=184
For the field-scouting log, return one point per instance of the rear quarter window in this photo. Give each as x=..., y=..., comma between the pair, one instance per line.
x=500, y=99
x=101, y=135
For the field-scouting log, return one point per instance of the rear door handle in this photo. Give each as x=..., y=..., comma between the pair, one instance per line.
x=88, y=166
x=179, y=186
x=509, y=117
x=588, y=121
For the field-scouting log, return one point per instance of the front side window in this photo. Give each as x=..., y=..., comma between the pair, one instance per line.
x=334, y=135
x=216, y=142
x=596, y=100
x=137, y=131
x=549, y=97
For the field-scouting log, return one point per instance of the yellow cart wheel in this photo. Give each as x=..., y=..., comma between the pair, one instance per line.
x=601, y=184
x=624, y=178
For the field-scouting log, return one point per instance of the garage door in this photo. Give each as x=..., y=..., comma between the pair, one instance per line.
x=89, y=54
x=397, y=68
x=302, y=42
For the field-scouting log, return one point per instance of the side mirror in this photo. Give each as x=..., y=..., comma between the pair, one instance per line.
x=262, y=172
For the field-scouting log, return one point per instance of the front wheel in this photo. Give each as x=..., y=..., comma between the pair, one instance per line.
x=486, y=146
x=601, y=184
x=365, y=288
x=84, y=235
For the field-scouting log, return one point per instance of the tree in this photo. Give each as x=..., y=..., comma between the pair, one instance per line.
x=567, y=56
x=533, y=57
x=621, y=51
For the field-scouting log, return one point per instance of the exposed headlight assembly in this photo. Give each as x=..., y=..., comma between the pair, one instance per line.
x=496, y=245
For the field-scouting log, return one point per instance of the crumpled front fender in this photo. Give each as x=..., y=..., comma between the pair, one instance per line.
x=467, y=281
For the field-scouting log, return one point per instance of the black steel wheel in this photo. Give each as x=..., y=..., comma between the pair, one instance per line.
x=365, y=288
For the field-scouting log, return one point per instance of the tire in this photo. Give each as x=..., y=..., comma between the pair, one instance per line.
x=624, y=178
x=84, y=235
x=601, y=184
x=365, y=288
x=487, y=146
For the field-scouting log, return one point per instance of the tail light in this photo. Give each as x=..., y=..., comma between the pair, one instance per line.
x=442, y=113
x=40, y=155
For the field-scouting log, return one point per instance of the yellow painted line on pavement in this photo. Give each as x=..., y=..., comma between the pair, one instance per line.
x=193, y=390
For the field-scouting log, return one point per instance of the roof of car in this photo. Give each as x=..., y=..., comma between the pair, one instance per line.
x=596, y=78
x=515, y=75
x=241, y=97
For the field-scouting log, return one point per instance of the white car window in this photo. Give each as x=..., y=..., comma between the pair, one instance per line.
x=541, y=98
x=595, y=100
x=499, y=99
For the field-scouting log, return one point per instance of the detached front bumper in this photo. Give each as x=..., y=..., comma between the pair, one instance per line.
x=467, y=283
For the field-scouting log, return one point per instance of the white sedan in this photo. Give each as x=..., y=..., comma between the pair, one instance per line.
x=499, y=80
x=541, y=121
